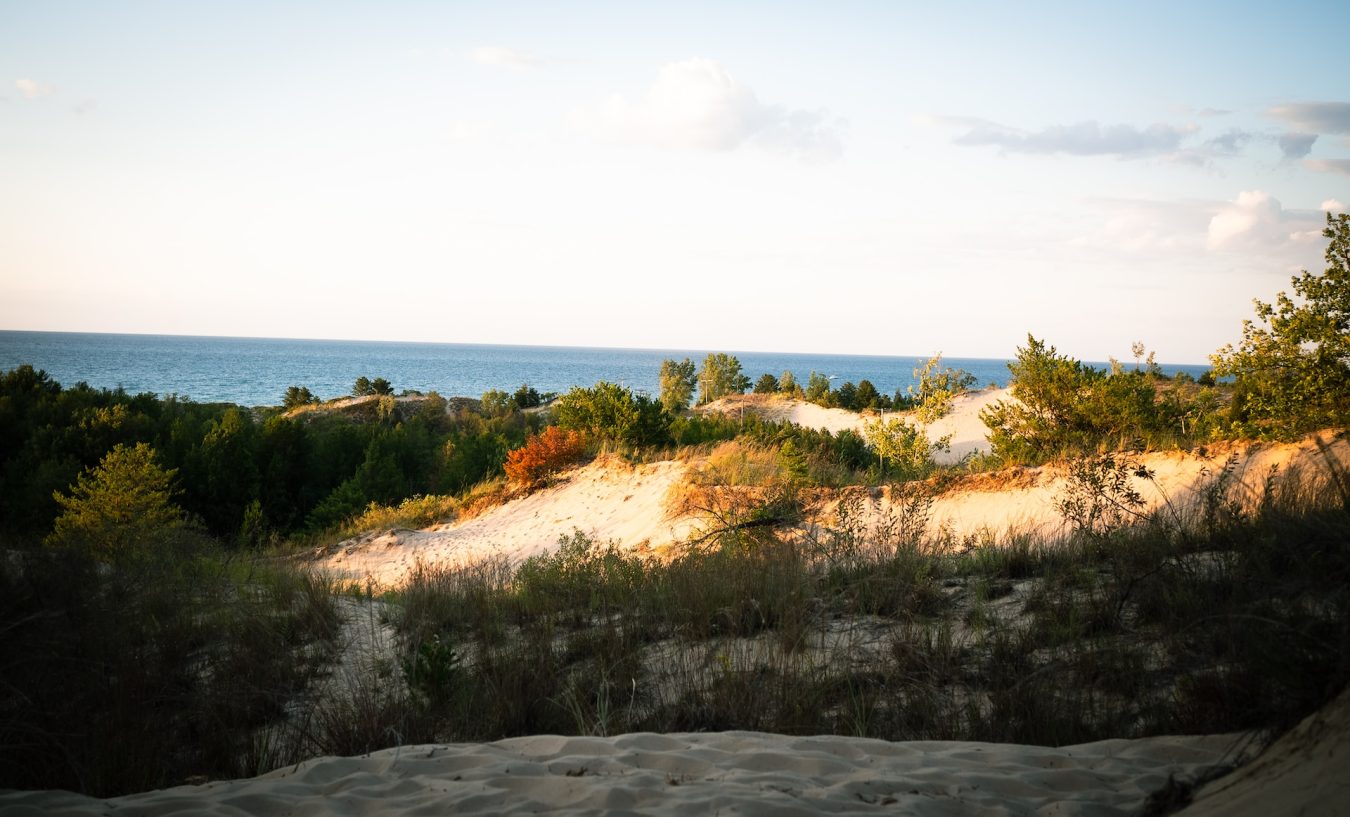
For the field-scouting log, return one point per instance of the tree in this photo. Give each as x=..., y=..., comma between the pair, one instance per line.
x=938, y=385
x=868, y=397
x=362, y=387
x=123, y=503
x=1292, y=367
x=721, y=375
x=610, y=412
x=847, y=396
x=497, y=403
x=787, y=384
x=1066, y=408
x=766, y=384
x=526, y=397
x=227, y=478
x=677, y=384
x=818, y=389
x=902, y=448
x=381, y=386
x=298, y=396
x=1052, y=413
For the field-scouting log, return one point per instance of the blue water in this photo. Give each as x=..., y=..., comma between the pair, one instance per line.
x=257, y=371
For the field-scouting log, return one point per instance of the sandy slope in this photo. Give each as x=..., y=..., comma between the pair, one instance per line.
x=612, y=500
x=1024, y=499
x=696, y=774
x=608, y=499
x=1307, y=771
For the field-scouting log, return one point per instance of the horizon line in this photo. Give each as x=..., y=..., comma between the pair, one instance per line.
x=545, y=346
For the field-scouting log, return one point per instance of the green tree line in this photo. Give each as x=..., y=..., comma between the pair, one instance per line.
x=281, y=474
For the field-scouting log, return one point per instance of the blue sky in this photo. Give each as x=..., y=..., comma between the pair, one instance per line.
x=886, y=178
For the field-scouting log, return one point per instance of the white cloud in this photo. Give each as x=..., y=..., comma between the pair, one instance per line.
x=32, y=88
x=1256, y=218
x=504, y=57
x=1082, y=139
x=696, y=105
x=1318, y=117
x=1332, y=206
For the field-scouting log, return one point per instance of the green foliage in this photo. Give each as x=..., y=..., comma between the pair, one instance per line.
x=677, y=385
x=937, y=386
x=497, y=403
x=1292, y=366
x=223, y=476
x=362, y=387
x=721, y=375
x=526, y=397
x=311, y=471
x=580, y=573
x=903, y=450
x=613, y=413
x=381, y=386
x=1101, y=496
x=787, y=384
x=847, y=396
x=818, y=389
x=1066, y=408
x=297, y=396
x=123, y=505
x=868, y=397
x=766, y=384
x=792, y=463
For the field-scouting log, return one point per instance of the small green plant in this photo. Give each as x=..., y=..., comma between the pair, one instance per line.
x=1101, y=496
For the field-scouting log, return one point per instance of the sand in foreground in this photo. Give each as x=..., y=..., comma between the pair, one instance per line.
x=694, y=774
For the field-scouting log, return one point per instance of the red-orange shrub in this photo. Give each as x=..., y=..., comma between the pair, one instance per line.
x=544, y=454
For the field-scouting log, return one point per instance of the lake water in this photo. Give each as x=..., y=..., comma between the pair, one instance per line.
x=257, y=371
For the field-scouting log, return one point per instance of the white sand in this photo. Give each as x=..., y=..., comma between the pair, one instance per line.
x=695, y=774
x=1023, y=500
x=607, y=499
x=1307, y=771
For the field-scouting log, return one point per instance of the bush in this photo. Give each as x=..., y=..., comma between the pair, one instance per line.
x=904, y=450
x=614, y=414
x=938, y=385
x=1066, y=408
x=544, y=454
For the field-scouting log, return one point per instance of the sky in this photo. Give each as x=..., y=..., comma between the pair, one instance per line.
x=893, y=178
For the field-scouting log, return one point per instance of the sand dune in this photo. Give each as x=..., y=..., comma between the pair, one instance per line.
x=614, y=501
x=608, y=499
x=695, y=774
